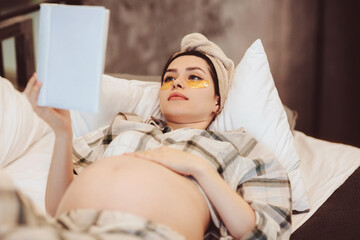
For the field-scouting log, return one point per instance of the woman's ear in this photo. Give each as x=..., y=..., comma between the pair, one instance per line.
x=216, y=108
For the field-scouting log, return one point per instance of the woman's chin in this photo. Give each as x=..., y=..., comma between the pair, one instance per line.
x=176, y=117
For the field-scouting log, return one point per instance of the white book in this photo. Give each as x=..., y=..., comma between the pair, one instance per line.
x=71, y=55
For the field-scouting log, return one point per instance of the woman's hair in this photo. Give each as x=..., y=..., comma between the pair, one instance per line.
x=197, y=54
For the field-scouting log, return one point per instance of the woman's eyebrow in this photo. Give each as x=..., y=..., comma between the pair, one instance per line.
x=171, y=70
x=194, y=68
x=187, y=69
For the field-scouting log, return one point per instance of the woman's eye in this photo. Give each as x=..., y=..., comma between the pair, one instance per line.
x=194, y=77
x=168, y=79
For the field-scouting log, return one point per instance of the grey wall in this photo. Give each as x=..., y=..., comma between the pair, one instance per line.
x=144, y=33
x=312, y=46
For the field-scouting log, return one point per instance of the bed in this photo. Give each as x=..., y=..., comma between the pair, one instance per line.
x=330, y=171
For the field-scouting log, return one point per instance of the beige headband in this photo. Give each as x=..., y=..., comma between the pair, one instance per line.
x=224, y=66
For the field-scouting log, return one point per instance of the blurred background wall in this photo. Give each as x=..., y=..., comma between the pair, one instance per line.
x=312, y=47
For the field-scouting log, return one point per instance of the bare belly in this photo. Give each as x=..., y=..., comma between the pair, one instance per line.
x=141, y=187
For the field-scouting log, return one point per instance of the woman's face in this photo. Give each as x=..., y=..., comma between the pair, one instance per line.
x=188, y=93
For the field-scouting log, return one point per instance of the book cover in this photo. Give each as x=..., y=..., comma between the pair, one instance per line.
x=71, y=55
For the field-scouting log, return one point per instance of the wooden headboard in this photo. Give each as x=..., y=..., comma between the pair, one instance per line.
x=20, y=28
x=16, y=23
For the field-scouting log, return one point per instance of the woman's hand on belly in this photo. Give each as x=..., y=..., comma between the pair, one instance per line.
x=234, y=211
x=177, y=160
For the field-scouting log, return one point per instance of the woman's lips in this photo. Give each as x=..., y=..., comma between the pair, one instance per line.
x=177, y=96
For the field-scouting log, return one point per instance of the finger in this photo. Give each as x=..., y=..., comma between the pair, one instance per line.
x=30, y=84
x=33, y=93
x=133, y=154
x=137, y=154
x=128, y=154
x=37, y=90
x=144, y=155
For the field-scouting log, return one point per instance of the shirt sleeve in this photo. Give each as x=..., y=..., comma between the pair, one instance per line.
x=262, y=181
x=89, y=148
x=267, y=190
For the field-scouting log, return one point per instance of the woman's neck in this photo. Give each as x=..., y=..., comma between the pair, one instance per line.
x=196, y=125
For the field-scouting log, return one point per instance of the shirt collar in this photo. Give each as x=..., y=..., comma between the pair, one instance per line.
x=159, y=123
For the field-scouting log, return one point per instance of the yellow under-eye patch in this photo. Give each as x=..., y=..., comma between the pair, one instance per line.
x=198, y=83
x=166, y=85
x=190, y=83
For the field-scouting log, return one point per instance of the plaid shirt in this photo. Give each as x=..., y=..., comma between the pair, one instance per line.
x=249, y=168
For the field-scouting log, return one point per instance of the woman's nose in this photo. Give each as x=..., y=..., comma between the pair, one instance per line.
x=178, y=83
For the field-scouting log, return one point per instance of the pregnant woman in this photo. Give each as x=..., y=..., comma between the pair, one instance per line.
x=173, y=178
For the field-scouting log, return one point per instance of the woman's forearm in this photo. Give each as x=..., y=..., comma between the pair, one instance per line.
x=235, y=212
x=60, y=172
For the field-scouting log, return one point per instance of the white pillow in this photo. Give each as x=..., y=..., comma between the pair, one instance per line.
x=20, y=126
x=253, y=103
x=118, y=95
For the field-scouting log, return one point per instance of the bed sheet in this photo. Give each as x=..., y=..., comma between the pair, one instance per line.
x=325, y=166
x=29, y=172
